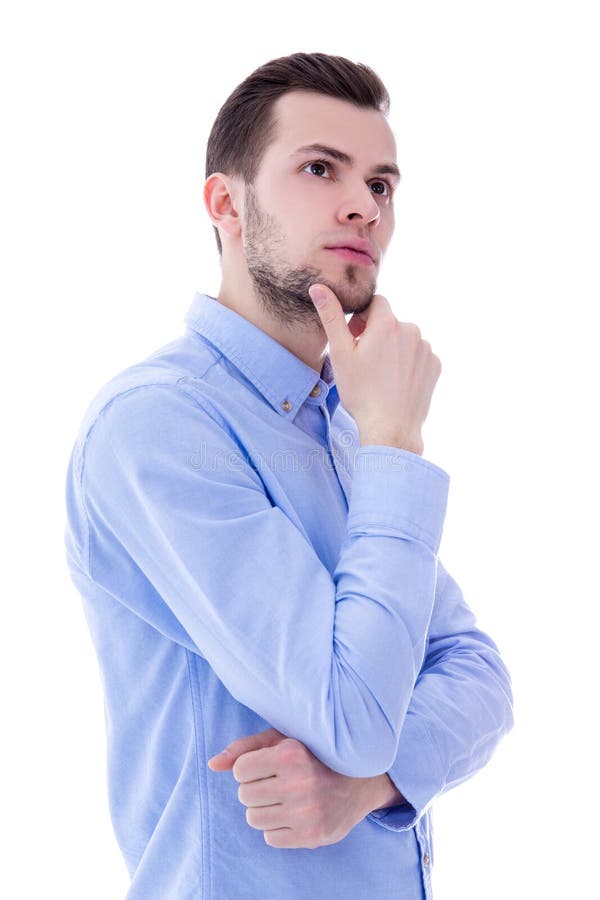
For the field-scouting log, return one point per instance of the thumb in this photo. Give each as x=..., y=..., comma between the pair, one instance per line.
x=225, y=760
x=332, y=318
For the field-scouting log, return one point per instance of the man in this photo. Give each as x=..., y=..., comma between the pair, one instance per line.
x=254, y=533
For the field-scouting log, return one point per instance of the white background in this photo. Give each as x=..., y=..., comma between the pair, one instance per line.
x=106, y=109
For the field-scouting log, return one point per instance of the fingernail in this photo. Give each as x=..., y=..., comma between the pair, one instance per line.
x=318, y=296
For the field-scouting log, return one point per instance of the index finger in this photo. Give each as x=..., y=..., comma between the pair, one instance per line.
x=332, y=318
x=254, y=765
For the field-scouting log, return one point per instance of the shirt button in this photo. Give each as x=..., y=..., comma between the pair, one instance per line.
x=316, y=390
x=286, y=405
x=426, y=859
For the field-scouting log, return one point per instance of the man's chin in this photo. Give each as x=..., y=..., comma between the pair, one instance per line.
x=349, y=301
x=356, y=306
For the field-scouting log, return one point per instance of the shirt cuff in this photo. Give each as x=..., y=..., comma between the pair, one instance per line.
x=417, y=772
x=398, y=490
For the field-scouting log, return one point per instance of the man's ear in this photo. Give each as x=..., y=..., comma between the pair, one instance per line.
x=221, y=194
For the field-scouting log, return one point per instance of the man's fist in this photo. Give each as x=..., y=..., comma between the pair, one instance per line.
x=293, y=797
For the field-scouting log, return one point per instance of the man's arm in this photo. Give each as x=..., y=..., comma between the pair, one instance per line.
x=329, y=659
x=460, y=709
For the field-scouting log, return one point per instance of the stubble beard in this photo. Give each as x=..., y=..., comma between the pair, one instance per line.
x=283, y=290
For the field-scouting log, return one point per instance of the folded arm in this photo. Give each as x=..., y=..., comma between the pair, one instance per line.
x=331, y=660
x=460, y=709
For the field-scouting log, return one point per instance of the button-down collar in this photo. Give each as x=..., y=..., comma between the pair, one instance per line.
x=281, y=377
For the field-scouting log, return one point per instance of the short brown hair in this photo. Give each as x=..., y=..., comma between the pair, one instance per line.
x=245, y=126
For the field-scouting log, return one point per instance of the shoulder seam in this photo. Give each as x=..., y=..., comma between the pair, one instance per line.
x=175, y=382
x=178, y=386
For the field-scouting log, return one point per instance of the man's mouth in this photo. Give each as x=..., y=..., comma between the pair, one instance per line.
x=353, y=255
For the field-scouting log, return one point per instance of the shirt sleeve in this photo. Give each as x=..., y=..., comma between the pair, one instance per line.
x=460, y=709
x=329, y=660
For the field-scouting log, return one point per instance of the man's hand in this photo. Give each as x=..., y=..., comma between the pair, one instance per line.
x=384, y=371
x=295, y=799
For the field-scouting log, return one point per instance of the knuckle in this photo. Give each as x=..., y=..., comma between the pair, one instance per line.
x=328, y=316
x=298, y=748
x=412, y=331
x=389, y=325
x=288, y=748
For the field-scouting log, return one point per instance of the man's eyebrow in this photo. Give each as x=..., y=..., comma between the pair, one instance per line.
x=340, y=156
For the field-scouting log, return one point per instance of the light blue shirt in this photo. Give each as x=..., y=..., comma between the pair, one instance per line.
x=243, y=564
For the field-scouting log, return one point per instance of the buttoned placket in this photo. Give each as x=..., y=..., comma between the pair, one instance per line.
x=341, y=470
x=320, y=392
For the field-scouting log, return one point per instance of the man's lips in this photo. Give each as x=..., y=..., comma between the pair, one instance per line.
x=352, y=255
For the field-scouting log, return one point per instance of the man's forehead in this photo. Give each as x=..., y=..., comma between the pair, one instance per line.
x=305, y=118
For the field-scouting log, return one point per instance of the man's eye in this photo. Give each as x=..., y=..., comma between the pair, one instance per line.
x=320, y=163
x=385, y=185
x=325, y=165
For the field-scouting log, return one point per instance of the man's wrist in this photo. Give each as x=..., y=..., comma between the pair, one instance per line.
x=367, y=438
x=385, y=793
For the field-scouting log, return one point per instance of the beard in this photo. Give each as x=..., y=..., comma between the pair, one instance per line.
x=283, y=290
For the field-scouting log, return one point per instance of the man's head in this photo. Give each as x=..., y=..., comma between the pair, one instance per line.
x=279, y=208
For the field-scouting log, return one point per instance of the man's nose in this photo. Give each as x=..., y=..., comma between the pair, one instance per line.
x=361, y=205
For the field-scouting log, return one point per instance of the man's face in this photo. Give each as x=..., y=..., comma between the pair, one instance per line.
x=303, y=203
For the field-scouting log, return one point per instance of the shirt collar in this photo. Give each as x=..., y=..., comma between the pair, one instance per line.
x=283, y=379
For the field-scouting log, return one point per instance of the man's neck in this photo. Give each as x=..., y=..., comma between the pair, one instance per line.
x=308, y=343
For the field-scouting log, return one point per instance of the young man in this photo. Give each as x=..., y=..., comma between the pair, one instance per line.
x=254, y=533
